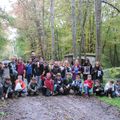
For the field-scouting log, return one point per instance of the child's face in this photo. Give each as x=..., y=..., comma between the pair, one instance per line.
x=19, y=77
x=33, y=81
x=89, y=77
x=58, y=77
x=68, y=76
x=97, y=83
x=77, y=77
x=7, y=81
x=48, y=75
x=111, y=83
x=118, y=82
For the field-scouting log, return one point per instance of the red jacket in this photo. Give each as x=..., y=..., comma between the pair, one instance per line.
x=89, y=83
x=43, y=77
x=49, y=84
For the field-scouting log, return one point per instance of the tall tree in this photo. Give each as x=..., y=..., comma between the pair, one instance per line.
x=73, y=26
x=98, y=28
x=52, y=27
x=80, y=20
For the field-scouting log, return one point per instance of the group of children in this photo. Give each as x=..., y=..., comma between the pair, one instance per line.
x=55, y=78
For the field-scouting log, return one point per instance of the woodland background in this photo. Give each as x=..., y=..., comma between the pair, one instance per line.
x=54, y=28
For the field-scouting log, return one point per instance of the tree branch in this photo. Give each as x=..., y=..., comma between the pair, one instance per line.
x=111, y=5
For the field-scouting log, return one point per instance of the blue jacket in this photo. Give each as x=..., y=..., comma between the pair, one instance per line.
x=28, y=69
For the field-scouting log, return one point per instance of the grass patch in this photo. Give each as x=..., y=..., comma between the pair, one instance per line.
x=114, y=102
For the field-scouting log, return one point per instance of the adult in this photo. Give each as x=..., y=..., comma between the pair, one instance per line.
x=56, y=69
x=6, y=71
x=13, y=70
x=63, y=70
x=46, y=68
x=33, y=55
x=38, y=71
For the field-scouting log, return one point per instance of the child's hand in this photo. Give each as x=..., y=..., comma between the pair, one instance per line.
x=97, y=89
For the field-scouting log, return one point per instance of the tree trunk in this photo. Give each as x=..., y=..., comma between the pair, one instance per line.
x=80, y=19
x=98, y=29
x=73, y=27
x=43, y=36
x=52, y=27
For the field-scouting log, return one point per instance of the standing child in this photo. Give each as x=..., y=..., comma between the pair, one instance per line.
x=48, y=87
x=88, y=85
x=97, y=72
x=86, y=69
x=76, y=69
x=29, y=70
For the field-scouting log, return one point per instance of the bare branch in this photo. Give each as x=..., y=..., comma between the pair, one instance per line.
x=111, y=5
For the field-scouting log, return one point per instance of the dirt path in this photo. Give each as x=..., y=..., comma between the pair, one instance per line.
x=59, y=108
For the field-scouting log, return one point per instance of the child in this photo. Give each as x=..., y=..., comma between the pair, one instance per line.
x=77, y=85
x=33, y=87
x=48, y=87
x=76, y=69
x=86, y=68
x=98, y=90
x=58, y=84
x=88, y=85
x=6, y=71
x=20, y=87
x=7, y=88
x=97, y=72
x=110, y=89
x=117, y=88
x=29, y=70
x=67, y=83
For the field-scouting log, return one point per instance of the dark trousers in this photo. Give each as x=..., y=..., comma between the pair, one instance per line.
x=110, y=92
x=28, y=77
x=46, y=92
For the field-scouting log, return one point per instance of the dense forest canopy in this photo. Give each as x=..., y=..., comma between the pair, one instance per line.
x=54, y=28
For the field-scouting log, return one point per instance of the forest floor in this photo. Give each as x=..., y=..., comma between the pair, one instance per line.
x=57, y=108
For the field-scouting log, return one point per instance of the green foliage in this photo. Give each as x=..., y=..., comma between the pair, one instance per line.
x=111, y=74
x=114, y=102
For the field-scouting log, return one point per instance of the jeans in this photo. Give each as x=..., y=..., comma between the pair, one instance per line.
x=86, y=90
x=39, y=82
x=29, y=77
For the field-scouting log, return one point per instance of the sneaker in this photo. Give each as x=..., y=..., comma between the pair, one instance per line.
x=2, y=99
